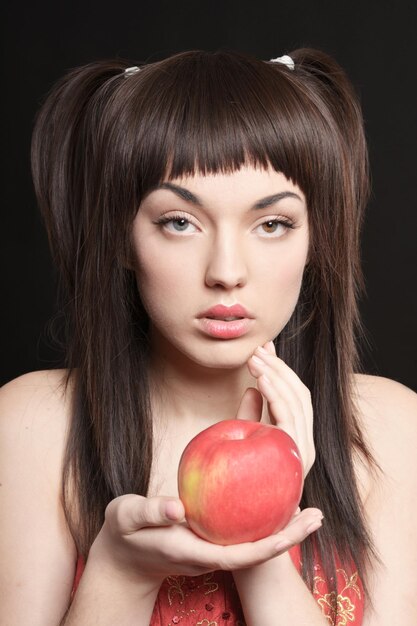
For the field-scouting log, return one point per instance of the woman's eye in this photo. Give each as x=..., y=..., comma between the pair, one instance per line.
x=275, y=227
x=177, y=224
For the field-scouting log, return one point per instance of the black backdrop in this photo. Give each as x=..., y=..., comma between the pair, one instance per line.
x=374, y=41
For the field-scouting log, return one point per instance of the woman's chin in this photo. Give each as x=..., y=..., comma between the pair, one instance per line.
x=208, y=354
x=223, y=359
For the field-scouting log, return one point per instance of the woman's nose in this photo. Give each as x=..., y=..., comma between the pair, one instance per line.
x=226, y=266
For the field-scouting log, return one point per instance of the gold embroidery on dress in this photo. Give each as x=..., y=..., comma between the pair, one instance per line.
x=181, y=589
x=181, y=614
x=350, y=583
x=175, y=588
x=337, y=608
x=211, y=586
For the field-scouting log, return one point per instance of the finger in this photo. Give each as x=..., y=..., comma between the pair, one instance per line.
x=250, y=407
x=239, y=556
x=245, y=555
x=283, y=403
x=276, y=389
x=270, y=348
x=284, y=371
x=158, y=511
x=285, y=407
x=285, y=381
x=130, y=513
x=298, y=425
x=302, y=524
x=287, y=412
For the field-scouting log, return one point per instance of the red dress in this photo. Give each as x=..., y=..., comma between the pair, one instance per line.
x=212, y=599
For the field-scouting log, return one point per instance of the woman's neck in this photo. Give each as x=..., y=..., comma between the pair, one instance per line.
x=186, y=391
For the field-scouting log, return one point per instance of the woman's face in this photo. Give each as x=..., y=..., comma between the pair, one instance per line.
x=203, y=244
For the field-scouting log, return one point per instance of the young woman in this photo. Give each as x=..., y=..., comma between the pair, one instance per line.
x=204, y=213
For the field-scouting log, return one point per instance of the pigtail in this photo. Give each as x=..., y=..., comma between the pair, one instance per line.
x=334, y=88
x=88, y=213
x=325, y=352
x=63, y=133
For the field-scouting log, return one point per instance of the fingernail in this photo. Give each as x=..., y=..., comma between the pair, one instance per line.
x=258, y=361
x=172, y=510
x=262, y=350
x=313, y=526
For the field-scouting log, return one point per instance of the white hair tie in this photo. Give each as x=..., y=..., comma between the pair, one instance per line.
x=285, y=60
x=129, y=71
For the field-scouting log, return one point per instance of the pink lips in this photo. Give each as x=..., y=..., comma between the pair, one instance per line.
x=224, y=322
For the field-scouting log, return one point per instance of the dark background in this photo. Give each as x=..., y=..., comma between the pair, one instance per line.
x=374, y=41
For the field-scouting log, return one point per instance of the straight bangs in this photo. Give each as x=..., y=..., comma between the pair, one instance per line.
x=208, y=113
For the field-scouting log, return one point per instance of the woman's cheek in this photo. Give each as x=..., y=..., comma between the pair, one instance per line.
x=165, y=282
x=281, y=286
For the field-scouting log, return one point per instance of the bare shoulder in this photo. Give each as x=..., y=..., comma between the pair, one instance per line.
x=387, y=411
x=388, y=414
x=376, y=391
x=43, y=388
x=34, y=412
x=39, y=553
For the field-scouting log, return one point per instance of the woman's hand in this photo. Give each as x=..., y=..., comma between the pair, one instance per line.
x=269, y=589
x=147, y=539
x=288, y=400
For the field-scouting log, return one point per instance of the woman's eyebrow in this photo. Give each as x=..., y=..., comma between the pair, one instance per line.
x=269, y=200
x=186, y=195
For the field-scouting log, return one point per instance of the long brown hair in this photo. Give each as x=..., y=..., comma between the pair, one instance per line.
x=101, y=142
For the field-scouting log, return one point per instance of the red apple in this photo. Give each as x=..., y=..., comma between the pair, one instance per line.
x=240, y=481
